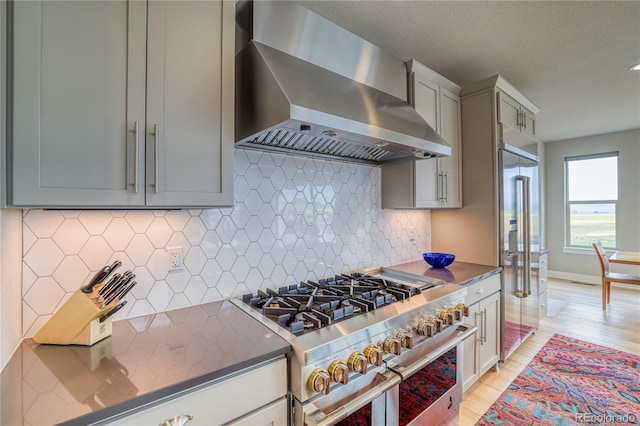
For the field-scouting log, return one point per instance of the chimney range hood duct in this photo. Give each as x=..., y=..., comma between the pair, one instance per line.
x=307, y=86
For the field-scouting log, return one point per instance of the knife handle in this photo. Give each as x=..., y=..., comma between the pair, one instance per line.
x=123, y=289
x=99, y=276
x=112, y=311
x=105, y=288
x=116, y=286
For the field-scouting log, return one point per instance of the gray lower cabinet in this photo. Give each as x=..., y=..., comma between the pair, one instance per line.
x=121, y=104
x=255, y=396
x=540, y=276
x=482, y=351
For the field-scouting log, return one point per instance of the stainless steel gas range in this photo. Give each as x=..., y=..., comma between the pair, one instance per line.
x=369, y=347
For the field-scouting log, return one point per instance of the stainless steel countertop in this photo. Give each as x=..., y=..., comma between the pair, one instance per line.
x=461, y=273
x=146, y=358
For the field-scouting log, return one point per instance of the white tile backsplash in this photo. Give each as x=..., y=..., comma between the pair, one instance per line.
x=294, y=219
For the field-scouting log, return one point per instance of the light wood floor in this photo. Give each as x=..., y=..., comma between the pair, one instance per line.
x=582, y=318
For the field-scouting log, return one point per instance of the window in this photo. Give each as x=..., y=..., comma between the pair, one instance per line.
x=591, y=199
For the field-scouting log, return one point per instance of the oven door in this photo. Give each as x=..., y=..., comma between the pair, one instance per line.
x=431, y=387
x=361, y=402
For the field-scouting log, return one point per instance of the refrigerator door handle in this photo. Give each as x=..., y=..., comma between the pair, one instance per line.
x=519, y=292
x=526, y=233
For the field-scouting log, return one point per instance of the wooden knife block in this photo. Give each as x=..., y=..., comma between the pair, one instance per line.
x=77, y=322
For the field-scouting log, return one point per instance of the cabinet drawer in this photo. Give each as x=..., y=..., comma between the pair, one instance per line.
x=539, y=261
x=543, y=305
x=219, y=402
x=274, y=414
x=543, y=275
x=482, y=289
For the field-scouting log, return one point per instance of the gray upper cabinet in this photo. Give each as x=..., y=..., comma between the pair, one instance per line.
x=515, y=116
x=94, y=80
x=434, y=183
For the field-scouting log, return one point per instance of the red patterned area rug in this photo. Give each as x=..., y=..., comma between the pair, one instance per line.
x=571, y=382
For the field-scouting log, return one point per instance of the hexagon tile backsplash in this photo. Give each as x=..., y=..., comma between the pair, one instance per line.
x=295, y=218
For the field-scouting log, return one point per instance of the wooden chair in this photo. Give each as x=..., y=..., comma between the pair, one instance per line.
x=609, y=277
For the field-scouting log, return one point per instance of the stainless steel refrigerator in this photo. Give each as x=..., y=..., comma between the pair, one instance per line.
x=518, y=233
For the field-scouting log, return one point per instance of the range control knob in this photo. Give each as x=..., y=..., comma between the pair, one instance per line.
x=446, y=315
x=319, y=381
x=435, y=322
x=391, y=345
x=425, y=328
x=357, y=362
x=338, y=372
x=463, y=309
x=405, y=337
x=373, y=354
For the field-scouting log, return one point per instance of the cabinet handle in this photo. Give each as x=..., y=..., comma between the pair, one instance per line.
x=136, y=137
x=484, y=326
x=524, y=119
x=479, y=328
x=156, y=135
x=177, y=420
x=446, y=187
x=480, y=290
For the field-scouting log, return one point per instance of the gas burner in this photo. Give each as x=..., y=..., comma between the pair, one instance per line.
x=311, y=305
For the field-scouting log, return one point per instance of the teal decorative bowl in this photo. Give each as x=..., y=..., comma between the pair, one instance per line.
x=438, y=260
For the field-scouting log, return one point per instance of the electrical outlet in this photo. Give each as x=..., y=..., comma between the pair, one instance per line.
x=175, y=258
x=412, y=233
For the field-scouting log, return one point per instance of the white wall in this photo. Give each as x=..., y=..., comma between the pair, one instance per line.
x=627, y=143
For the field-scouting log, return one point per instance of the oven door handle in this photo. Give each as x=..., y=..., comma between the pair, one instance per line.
x=317, y=418
x=466, y=331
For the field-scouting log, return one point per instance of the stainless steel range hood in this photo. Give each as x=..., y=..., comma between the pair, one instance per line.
x=307, y=86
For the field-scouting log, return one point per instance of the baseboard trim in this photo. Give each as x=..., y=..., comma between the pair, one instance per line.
x=587, y=279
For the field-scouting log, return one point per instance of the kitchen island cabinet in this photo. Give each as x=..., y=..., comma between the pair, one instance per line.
x=121, y=104
x=434, y=183
x=206, y=357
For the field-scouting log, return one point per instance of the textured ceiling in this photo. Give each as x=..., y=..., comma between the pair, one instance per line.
x=569, y=58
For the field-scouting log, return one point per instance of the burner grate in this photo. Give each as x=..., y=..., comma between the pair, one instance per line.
x=315, y=304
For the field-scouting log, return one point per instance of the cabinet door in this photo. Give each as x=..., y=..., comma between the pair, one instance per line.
x=508, y=111
x=426, y=101
x=470, y=370
x=451, y=167
x=190, y=95
x=529, y=123
x=428, y=184
x=78, y=89
x=490, y=344
x=426, y=98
